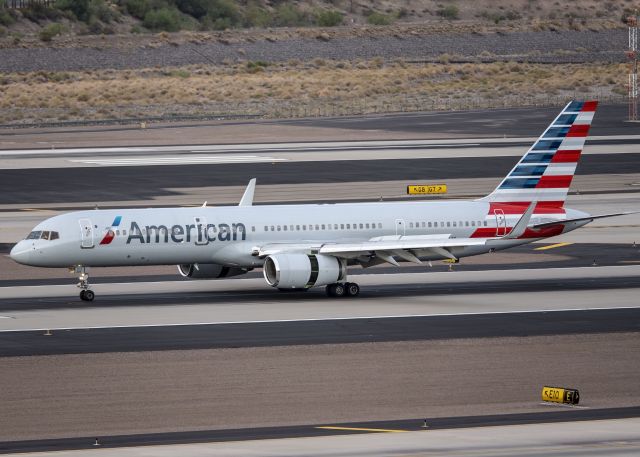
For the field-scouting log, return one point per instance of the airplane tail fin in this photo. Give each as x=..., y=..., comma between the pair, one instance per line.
x=545, y=172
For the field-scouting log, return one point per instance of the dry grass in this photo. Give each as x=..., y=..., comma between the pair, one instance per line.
x=33, y=97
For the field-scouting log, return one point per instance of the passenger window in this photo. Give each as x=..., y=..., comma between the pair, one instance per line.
x=317, y=227
x=466, y=223
x=342, y=226
x=323, y=226
x=485, y=223
x=473, y=223
x=379, y=225
x=273, y=229
x=266, y=229
x=448, y=224
x=429, y=224
x=304, y=227
x=348, y=226
x=361, y=226
x=253, y=229
x=424, y=224
x=454, y=224
x=367, y=225
x=298, y=227
x=310, y=227
x=335, y=226
x=410, y=224
x=284, y=227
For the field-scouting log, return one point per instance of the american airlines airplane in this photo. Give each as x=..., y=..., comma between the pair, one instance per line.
x=304, y=246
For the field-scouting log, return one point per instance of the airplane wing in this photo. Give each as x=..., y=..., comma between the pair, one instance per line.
x=408, y=248
x=385, y=248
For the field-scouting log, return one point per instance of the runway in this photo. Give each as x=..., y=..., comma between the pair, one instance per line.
x=157, y=361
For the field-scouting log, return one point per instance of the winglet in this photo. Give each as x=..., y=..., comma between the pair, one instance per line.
x=521, y=225
x=247, y=197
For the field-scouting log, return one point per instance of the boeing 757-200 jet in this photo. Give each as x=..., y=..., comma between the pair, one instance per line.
x=304, y=246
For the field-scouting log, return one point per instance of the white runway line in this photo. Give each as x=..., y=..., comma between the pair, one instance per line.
x=181, y=160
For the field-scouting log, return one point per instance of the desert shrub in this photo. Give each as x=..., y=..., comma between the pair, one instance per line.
x=50, y=31
x=257, y=17
x=100, y=10
x=329, y=18
x=290, y=16
x=376, y=18
x=79, y=8
x=37, y=12
x=6, y=17
x=449, y=12
x=167, y=19
x=137, y=8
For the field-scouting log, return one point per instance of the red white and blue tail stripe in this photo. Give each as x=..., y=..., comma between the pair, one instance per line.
x=545, y=172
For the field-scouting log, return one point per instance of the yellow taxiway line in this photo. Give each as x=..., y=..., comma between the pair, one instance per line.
x=357, y=429
x=551, y=246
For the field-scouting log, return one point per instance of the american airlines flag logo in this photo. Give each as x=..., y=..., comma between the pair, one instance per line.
x=110, y=235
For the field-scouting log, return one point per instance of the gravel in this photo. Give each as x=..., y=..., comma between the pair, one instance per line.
x=547, y=47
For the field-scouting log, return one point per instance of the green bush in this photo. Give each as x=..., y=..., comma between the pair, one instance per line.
x=166, y=19
x=50, y=31
x=6, y=18
x=449, y=12
x=257, y=17
x=290, y=16
x=3, y=31
x=100, y=10
x=137, y=8
x=376, y=18
x=37, y=12
x=79, y=8
x=329, y=18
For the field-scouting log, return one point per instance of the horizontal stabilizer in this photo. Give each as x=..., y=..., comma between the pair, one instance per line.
x=581, y=219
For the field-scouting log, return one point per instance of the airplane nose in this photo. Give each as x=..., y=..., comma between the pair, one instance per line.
x=21, y=253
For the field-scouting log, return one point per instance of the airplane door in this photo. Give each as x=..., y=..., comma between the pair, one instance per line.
x=201, y=230
x=86, y=233
x=501, y=222
x=400, y=227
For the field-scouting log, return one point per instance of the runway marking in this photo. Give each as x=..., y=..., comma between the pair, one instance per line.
x=310, y=319
x=561, y=405
x=552, y=246
x=181, y=160
x=358, y=429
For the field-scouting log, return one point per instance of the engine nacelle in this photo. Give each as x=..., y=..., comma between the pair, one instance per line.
x=208, y=271
x=302, y=271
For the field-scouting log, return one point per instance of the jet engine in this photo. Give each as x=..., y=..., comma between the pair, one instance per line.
x=208, y=271
x=302, y=271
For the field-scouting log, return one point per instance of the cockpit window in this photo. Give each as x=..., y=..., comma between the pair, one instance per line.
x=43, y=235
x=34, y=235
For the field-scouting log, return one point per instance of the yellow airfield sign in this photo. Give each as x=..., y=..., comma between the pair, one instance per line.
x=425, y=189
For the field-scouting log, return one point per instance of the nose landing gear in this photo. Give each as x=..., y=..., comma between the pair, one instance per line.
x=86, y=294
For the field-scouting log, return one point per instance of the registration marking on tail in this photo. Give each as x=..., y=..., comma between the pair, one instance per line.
x=552, y=246
x=358, y=429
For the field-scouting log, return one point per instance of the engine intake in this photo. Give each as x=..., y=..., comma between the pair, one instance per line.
x=208, y=271
x=302, y=271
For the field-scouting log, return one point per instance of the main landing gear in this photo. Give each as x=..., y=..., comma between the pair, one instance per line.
x=86, y=294
x=347, y=289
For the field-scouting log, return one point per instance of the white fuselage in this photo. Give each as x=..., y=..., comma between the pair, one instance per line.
x=229, y=235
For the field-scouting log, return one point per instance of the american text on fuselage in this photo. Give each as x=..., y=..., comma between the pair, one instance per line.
x=200, y=233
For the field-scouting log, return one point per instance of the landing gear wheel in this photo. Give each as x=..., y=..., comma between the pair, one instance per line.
x=87, y=295
x=339, y=290
x=352, y=289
